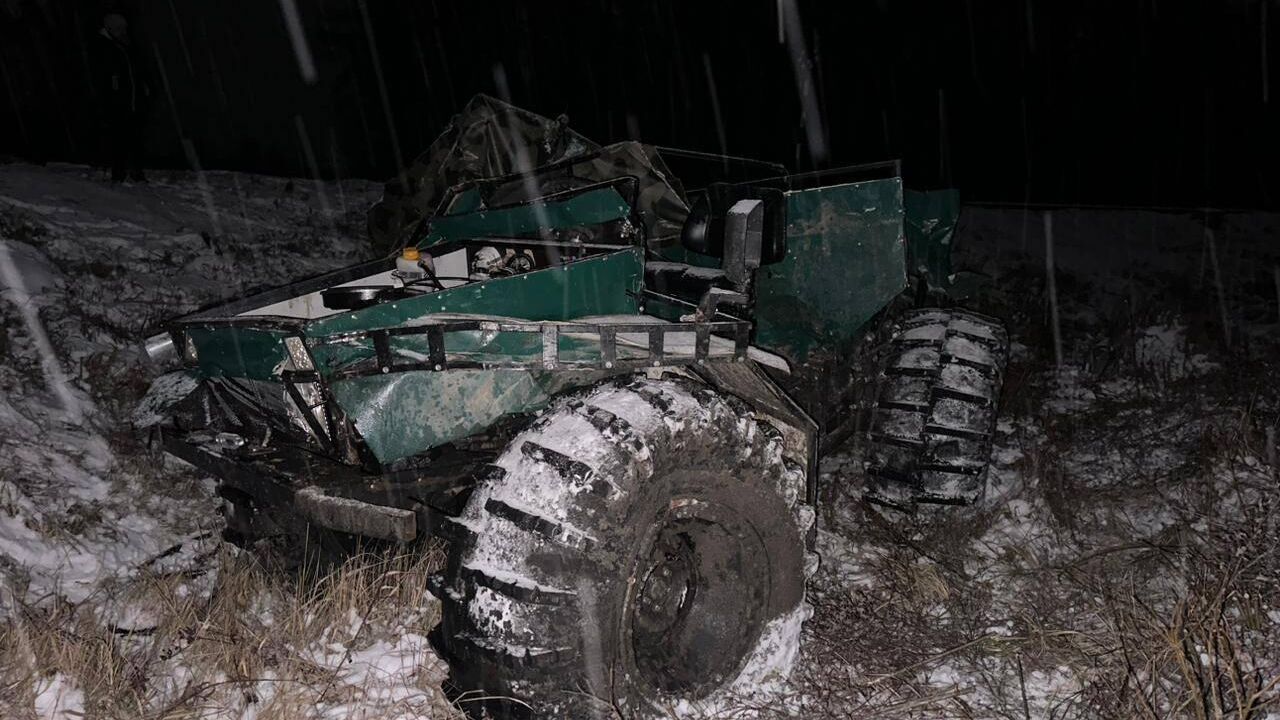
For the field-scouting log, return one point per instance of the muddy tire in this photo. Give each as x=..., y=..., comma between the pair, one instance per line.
x=934, y=412
x=638, y=547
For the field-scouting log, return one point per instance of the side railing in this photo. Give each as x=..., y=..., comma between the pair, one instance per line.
x=644, y=345
x=436, y=345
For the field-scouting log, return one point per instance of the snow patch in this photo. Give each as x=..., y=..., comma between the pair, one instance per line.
x=164, y=392
x=57, y=698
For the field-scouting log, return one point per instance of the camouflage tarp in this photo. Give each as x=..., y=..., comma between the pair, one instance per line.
x=512, y=155
x=658, y=204
x=488, y=138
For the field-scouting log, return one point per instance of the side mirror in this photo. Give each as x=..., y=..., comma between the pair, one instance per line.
x=702, y=233
x=704, y=229
x=743, y=238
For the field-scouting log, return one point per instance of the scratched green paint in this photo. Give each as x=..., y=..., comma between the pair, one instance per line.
x=605, y=284
x=845, y=262
x=404, y=414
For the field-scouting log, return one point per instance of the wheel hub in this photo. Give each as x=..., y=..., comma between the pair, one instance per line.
x=698, y=603
x=669, y=588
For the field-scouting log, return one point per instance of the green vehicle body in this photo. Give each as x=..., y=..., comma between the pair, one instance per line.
x=847, y=258
x=401, y=398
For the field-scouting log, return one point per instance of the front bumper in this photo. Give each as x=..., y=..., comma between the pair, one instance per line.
x=397, y=507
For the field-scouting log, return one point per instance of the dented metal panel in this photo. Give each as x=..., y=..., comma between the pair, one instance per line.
x=845, y=262
x=403, y=414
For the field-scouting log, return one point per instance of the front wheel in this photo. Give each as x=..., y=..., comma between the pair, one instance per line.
x=934, y=413
x=638, y=550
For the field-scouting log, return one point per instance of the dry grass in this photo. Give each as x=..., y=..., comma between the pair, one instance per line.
x=1126, y=565
x=247, y=640
x=1199, y=660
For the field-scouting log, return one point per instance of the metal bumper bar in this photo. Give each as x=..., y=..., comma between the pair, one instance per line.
x=262, y=481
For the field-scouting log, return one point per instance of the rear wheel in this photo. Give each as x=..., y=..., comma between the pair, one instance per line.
x=934, y=413
x=638, y=548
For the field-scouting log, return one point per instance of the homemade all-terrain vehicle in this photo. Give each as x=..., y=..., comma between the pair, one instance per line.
x=606, y=376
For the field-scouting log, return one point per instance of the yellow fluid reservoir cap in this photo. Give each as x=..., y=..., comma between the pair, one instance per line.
x=410, y=253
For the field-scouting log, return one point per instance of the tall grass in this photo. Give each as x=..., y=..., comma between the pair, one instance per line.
x=248, y=641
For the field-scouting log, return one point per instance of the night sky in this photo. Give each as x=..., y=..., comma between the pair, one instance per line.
x=1152, y=103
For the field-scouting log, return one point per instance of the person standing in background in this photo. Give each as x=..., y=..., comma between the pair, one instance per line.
x=125, y=96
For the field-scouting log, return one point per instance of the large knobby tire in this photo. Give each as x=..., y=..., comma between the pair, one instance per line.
x=639, y=550
x=935, y=407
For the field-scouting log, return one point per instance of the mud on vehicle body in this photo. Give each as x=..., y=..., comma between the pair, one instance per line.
x=608, y=388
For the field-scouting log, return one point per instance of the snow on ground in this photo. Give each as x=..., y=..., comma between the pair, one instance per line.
x=1124, y=562
x=88, y=269
x=1122, y=565
x=94, y=527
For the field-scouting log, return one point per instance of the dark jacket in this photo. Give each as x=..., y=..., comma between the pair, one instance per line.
x=121, y=79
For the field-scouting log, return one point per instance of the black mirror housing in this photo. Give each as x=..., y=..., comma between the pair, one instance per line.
x=704, y=230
